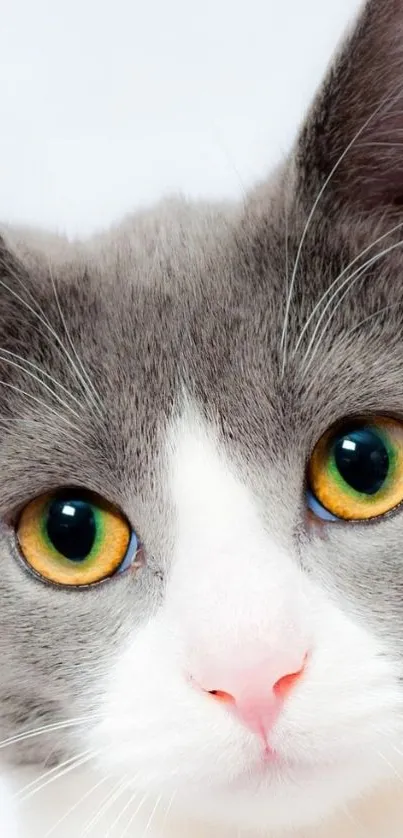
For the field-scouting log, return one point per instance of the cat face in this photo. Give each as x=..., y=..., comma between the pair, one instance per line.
x=247, y=661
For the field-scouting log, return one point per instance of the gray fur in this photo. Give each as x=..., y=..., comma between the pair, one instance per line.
x=195, y=297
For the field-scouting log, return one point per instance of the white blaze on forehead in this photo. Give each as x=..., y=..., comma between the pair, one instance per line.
x=204, y=485
x=230, y=579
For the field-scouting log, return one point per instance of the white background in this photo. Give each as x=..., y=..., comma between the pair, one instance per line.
x=108, y=104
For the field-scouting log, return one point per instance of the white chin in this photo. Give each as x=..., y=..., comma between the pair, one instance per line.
x=285, y=800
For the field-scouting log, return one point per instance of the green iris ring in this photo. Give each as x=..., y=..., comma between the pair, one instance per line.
x=345, y=487
x=93, y=555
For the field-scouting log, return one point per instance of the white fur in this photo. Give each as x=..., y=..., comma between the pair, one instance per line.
x=234, y=597
x=380, y=816
x=8, y=814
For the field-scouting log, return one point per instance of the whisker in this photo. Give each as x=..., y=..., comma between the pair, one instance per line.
x=381, y=145
x=325, y=328
x=40, y=402
x=14, y=274
x=349, y=281
x=41, y=382
x=32, y=788
x=354, y=820
x=95, y=400
x=152, y=816
x=337, y=280
x=58, y=347
x=49, y=328
x=50, y=728
x=130, y=821
x=75, y=806
x=30, y=425
x=371, y=316
x=122, y=811
x=43, y=372
x=287, y=254
x=117, y=791
x=387, y=100
x=390, y=765
x=168, y=811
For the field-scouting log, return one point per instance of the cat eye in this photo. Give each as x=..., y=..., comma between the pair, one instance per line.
x=73, y=537
x=356, y=470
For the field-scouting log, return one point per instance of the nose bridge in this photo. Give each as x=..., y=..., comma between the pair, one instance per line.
x=246, y=614
x=247, y=590
x=235, y=595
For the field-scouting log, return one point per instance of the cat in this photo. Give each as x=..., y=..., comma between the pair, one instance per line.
x=201, y=459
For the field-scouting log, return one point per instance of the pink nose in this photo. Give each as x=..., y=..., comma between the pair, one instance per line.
x=254, y=696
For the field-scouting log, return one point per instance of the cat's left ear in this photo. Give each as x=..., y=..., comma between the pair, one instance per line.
x=353, y=138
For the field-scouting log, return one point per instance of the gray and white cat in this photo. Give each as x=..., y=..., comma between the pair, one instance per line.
x=201, y=466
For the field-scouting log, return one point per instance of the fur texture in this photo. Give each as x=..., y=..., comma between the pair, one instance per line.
x=183, y=365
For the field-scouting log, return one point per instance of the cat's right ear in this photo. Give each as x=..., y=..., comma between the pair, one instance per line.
x=351, y=148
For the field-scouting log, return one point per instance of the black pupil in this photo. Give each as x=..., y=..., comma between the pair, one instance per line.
x=362, y=459
x=71, y=527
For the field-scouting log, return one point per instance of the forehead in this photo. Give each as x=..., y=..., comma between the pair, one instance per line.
x=204, y=315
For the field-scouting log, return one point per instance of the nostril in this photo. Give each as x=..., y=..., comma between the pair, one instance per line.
x=220, y=695
x=285, y=684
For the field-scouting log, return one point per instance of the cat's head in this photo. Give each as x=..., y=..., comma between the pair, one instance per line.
x=241, y=650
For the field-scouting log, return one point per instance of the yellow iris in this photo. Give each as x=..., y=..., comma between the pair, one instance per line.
x=356, y=469
x=73, y=537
